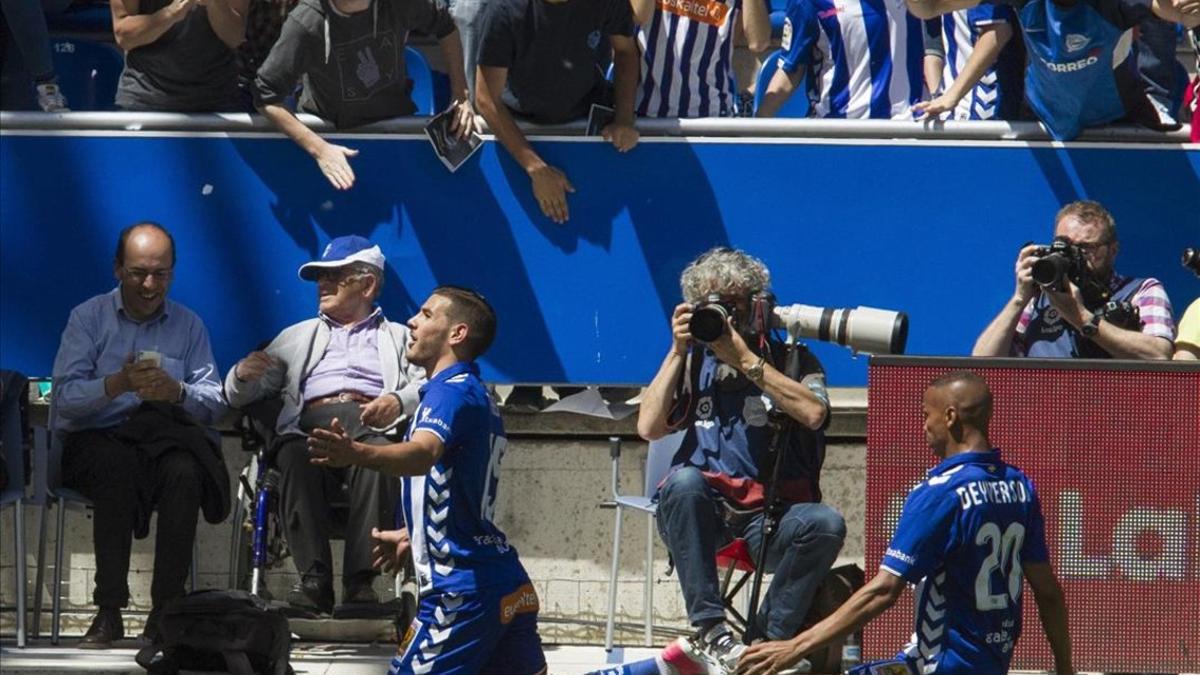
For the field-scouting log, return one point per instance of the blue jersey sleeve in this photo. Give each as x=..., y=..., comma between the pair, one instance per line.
x=1034, y=549
x=923, y=534
x=800, y=31
x=439, y=409
x=986, y=14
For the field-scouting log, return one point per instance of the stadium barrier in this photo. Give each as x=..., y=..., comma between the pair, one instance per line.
x=924, y=218
x=1111, y=449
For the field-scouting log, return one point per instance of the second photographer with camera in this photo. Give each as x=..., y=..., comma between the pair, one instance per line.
x=1069, y=302
x=726, y=395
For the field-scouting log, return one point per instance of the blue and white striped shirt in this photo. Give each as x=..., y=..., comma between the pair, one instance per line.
x=864, y=56
x=997, y=95
x=687, y=59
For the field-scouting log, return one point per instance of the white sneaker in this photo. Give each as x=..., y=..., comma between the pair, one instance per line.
x=50, y=98
x=717, y=649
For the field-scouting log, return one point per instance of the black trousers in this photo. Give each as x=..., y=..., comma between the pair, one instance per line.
x=307, y=491
x=105, y=470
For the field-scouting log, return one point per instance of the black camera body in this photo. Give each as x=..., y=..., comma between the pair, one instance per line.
x=1057, y=263
x=1122, y=314
x=711, y=315
x=709, y=318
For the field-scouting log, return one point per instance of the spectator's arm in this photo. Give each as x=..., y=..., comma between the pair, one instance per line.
x=997, y=338
x=756, y=24
x=1131, y=344
x=78, y=389
x=228, y=20
x=132, y=30
x=659, y=398
x=550, y=186
x=643, y=11
x=627, y=69
x=1052, y=610
x=868, y=602
x=934, y=61
x=992, y=38
x=452, y=50
x=781, y=88
x=928, y=9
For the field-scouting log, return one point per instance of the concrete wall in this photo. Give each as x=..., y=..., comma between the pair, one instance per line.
x=552, y=485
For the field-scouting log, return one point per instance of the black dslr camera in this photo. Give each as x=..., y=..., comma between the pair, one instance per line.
x=1057, y=263
x=709, y=318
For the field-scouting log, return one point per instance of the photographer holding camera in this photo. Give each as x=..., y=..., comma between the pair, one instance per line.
x=723, y=395
x=1069, y=302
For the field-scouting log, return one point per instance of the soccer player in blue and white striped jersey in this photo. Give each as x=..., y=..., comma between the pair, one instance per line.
x=687, y=54
x=982, y=65
x=864, y=57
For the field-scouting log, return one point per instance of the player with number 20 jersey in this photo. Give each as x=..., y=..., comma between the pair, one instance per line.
x=962, y=538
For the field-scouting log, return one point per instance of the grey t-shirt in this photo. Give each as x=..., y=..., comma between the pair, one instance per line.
x=187, y=69
x=553, y=52
x=352, y=65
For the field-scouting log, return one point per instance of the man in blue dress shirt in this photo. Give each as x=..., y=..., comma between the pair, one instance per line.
x=135, y=390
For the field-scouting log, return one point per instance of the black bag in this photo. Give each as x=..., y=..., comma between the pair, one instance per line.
x=226, y=631
x=838, y=586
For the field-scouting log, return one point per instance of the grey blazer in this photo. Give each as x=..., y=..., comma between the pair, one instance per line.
x=300, y=347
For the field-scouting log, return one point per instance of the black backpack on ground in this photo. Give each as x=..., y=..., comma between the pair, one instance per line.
x=225, y=631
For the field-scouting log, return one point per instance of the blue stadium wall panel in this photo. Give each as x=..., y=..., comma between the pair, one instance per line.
x=931, y=228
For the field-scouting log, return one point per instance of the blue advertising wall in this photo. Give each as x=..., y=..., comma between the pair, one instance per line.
x=931, y=228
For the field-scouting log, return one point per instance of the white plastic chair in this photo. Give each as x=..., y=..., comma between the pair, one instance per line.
x=658, y=462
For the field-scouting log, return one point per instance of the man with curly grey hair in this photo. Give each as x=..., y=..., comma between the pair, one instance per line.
x=718, y=396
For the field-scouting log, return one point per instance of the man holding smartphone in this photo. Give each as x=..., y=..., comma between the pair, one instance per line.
x=135, y=390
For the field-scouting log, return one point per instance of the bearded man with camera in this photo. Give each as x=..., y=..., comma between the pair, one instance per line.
x=723, y=385
x=1070, y=303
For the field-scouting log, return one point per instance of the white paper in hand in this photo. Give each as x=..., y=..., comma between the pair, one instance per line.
x=452, y=150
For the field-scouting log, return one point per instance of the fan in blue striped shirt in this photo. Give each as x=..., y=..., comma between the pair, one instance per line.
x=865, y=58
x=687, y=54
x=980, y=64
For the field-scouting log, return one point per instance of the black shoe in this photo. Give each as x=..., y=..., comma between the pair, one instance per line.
x=360, y=593
x=106, y=628
x=312, y=595
x=152, y=632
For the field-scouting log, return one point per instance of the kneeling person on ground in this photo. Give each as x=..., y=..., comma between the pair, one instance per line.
x=478, y=610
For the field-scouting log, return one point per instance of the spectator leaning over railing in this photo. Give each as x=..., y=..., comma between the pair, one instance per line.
x=1076, y=77
x=541, y=60
x=865, y=60
x=687, y=54
x=981, y=79
x=135, y=390
x=350, y=56
x=1087, y=310
x=179, y=54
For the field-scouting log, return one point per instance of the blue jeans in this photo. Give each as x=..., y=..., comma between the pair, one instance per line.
x=800, y=553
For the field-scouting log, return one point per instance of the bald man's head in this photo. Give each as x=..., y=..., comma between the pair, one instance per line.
x=957, y=408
